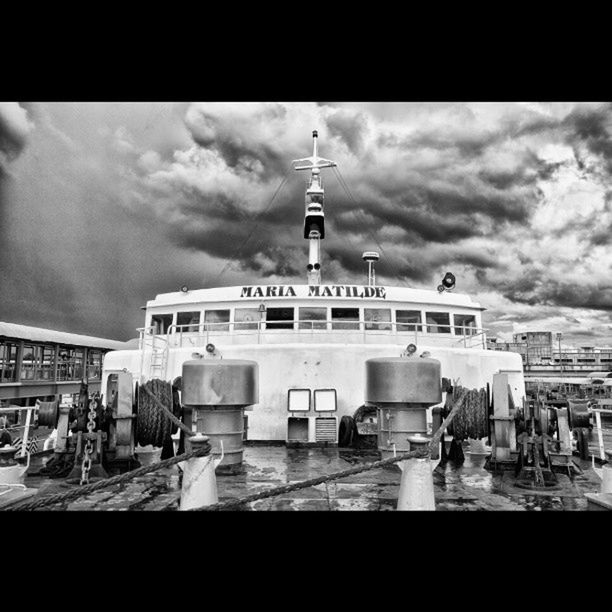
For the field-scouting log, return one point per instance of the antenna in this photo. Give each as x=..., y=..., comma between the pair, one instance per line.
x=314, y=161
x=371, y=257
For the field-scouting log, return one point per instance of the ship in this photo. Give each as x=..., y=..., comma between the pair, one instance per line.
x=311, y=341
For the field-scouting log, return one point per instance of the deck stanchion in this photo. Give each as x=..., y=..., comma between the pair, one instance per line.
x=416, y=487
x=199, y=486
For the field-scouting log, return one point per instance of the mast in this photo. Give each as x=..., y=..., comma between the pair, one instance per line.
x=314, y=217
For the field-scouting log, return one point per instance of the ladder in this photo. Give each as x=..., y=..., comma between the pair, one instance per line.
x=158, y=365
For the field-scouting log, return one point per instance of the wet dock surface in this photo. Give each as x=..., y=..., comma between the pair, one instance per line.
x=457, y=487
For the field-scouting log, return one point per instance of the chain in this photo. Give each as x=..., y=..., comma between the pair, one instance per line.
x=86, y=466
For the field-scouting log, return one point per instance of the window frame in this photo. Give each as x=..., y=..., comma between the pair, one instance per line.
x=313, y=324
x=446, y=326
x=189, y=327
x=343, y=324
x=416, y=326
x=216, y=325
x=380, y=325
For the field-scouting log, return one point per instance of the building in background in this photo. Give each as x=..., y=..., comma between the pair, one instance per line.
x=543, y=355
x=44, y=364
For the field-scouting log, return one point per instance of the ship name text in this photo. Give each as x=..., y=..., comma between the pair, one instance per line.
x=341, y=291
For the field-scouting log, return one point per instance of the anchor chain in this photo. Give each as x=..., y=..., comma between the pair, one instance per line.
x=86, y=466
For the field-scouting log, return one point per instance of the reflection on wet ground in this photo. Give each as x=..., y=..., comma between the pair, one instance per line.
x=457, y=487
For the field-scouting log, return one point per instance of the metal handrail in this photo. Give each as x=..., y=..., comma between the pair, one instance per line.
x=177, y=334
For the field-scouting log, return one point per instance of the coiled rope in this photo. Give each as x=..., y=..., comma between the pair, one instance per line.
x=151, y=426
x=472, y=420
x=150, y=417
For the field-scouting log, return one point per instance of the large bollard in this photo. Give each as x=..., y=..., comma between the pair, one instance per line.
x=416, y=487
x=403, y=388
x=199, y=486
x=215, y=393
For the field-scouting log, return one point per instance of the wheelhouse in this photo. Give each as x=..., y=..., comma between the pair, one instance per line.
x=304, y=313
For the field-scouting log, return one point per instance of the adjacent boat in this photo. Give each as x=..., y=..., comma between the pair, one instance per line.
x=311, y=341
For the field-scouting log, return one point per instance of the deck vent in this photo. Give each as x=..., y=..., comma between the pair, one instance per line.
x=325, y=429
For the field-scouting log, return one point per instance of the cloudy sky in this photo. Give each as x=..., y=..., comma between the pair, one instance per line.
x=105, y=205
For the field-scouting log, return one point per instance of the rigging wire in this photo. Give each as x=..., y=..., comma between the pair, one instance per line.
x=238, y=251
x=358, y=211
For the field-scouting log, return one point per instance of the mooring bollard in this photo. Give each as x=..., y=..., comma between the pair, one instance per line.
x=603, y=499
x=606, y=476
x=416, y=486
x=199, y=486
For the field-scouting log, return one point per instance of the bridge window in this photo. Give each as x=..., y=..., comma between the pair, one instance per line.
x=377, y=318
x=161, y=323
x=465, y=325
x=313, y=318
x=408, y=320
x=246, y=318
x=279, y=318
x=340, y=315
x=8, y=361
x=188, y=321
x=216, y=320
x=437, y=322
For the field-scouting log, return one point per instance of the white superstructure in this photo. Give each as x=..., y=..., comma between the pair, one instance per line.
x=311, y=341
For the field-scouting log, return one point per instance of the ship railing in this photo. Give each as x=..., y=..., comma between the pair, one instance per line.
x=199, y=334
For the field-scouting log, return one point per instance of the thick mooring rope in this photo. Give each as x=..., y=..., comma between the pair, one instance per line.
x=205, y=450
x=108, y=482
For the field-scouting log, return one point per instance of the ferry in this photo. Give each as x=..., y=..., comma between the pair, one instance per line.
x=311, y=341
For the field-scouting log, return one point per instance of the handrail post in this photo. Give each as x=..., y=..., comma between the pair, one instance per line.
x=26, y=432
x=199, y=486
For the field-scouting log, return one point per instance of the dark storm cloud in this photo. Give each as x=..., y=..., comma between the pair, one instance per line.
x=349, y=127
x=210, y=129
x=149, y=197
x=444, y=204
x=420, y=224
x=537, y=286
x=593, y=127
x=13, y=130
